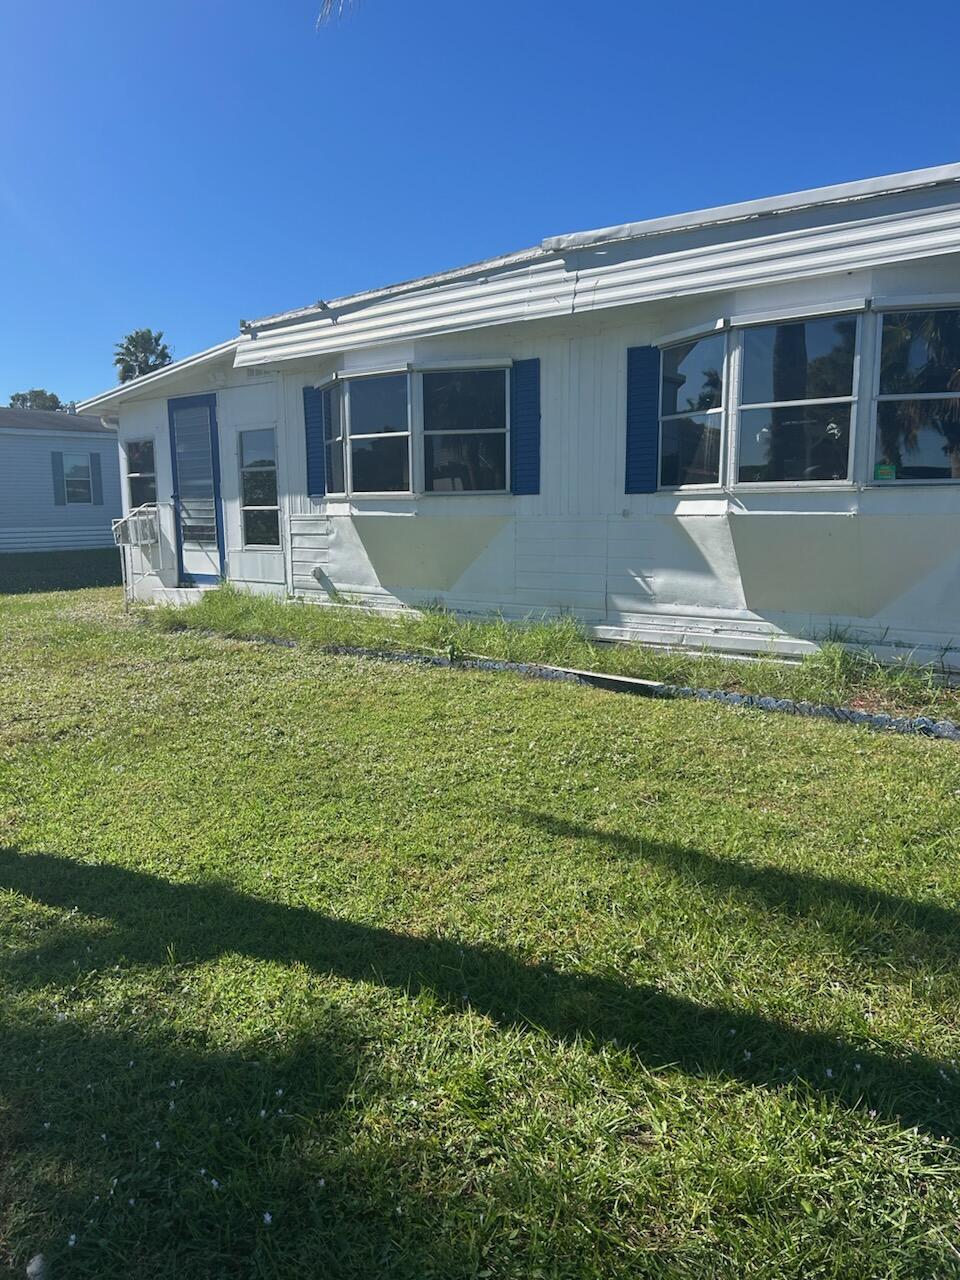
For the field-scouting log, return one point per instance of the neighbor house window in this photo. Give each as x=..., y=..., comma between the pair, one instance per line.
x=141, y=472
x=918, y=407
x=258, y=488
x=379, y=432
x=691, y=411
x=465, y=423
x=78, y=485
x=796, y=400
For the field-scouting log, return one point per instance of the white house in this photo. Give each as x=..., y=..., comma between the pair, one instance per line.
x=736, y=428
x=59, y=481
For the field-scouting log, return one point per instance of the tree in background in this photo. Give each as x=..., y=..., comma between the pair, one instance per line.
x=141, y=352
x=37, y=398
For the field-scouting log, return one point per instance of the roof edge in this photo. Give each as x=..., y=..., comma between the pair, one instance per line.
x=125, y=389
x=838, y=193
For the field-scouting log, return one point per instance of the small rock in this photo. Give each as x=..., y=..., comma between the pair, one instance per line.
x=37, y=1268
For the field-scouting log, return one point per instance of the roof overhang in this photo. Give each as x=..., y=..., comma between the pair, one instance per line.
x=146, y=385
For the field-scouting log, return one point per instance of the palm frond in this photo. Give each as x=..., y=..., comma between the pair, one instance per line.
x=331, y=9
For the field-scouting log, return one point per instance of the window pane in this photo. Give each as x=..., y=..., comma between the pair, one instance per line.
x=78, y=491
x=142, y=489
x=260, y=488
x=378, y=404
x=332, y=408
x=806, y=360
x=457, y=463
x=258, y=448
x=693, y=376
x=920, y=352
x=919, y=439
x=261, y=528
x=465, y=400
x=802, y=443
x=333, y=468
x=690, y=450
x=140, y=457
x=381, y=466
x=76, y=466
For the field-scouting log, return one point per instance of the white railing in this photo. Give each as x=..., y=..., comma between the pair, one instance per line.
x=139, y=528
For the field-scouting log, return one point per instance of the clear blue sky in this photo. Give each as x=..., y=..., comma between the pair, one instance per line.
x=183, y=164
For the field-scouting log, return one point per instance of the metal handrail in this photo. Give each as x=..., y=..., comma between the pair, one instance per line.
x=138, y=528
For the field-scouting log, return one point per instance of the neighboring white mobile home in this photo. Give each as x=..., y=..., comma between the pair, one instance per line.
x=737, y=428
x=59, y=481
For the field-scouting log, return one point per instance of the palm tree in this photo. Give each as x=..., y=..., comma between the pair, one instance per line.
x=141, y=352
x=937, y=335
x=332, y=9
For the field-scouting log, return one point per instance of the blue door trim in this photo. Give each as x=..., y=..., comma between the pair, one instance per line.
x=196, y=402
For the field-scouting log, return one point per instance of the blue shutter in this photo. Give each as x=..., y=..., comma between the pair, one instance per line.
x=59, y=488
x=525, y=427
x=313, y=419
x=643, y=427
x=96, y=480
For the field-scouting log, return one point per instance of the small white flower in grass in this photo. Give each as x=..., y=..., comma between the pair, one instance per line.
x=71, y=1241
x=130, y=1063
x=46, y=1124
x=131, y=1202
x=203, y=1173
x=267, y=1219
x=171, y=1105
x=856, y=1066
x=321, y=1183
x=215, y=1184
x=829, y=1073
x=156, y=1144
x=103, y=1137
x=279, y=1093
x=872, y=1115
x=747, y=1054
x=262, y=1114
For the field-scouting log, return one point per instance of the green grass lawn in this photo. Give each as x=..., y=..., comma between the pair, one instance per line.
x=324, y=967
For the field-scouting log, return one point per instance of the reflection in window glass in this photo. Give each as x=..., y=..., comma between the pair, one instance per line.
x=690, y=450
x=918, y=440
x=920, y=352
x=141, y=472
x=379, y=434
x=802, y=360
x=465, y=430
x=693, y=376
x=457, y=462
x=258, y=488
x=378, y=405
x=800, y=442
x=691, y=411
x=381, y=464
x=76, y=477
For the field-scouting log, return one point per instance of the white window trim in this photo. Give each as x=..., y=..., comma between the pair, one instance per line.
x=259, y=546
x=67, y=500
x=891, y=306
x=349, y=437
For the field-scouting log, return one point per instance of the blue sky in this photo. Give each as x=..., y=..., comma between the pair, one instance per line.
x=185, y=164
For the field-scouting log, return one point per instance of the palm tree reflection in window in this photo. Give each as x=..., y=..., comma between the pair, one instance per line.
x=920, y=356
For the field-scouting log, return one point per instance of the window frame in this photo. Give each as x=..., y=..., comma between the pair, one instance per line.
x=681, y=340
x=891, y=306
x=415, y=433
x=77, y=502
x=737, y=406
x=465, y=367
x=140, y=475
x=244, y=507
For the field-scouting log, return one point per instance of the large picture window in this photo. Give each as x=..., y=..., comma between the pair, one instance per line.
x=141, y=472
x=691, y=411
x=796, y=401
x=918, y=407
x=258, y=488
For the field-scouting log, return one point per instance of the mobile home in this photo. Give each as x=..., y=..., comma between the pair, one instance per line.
x=59, y=481
x=736, y=428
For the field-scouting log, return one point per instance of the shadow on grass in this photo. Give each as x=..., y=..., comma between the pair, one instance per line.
x=153, y=918
x=35, y=571
x=869, y=922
